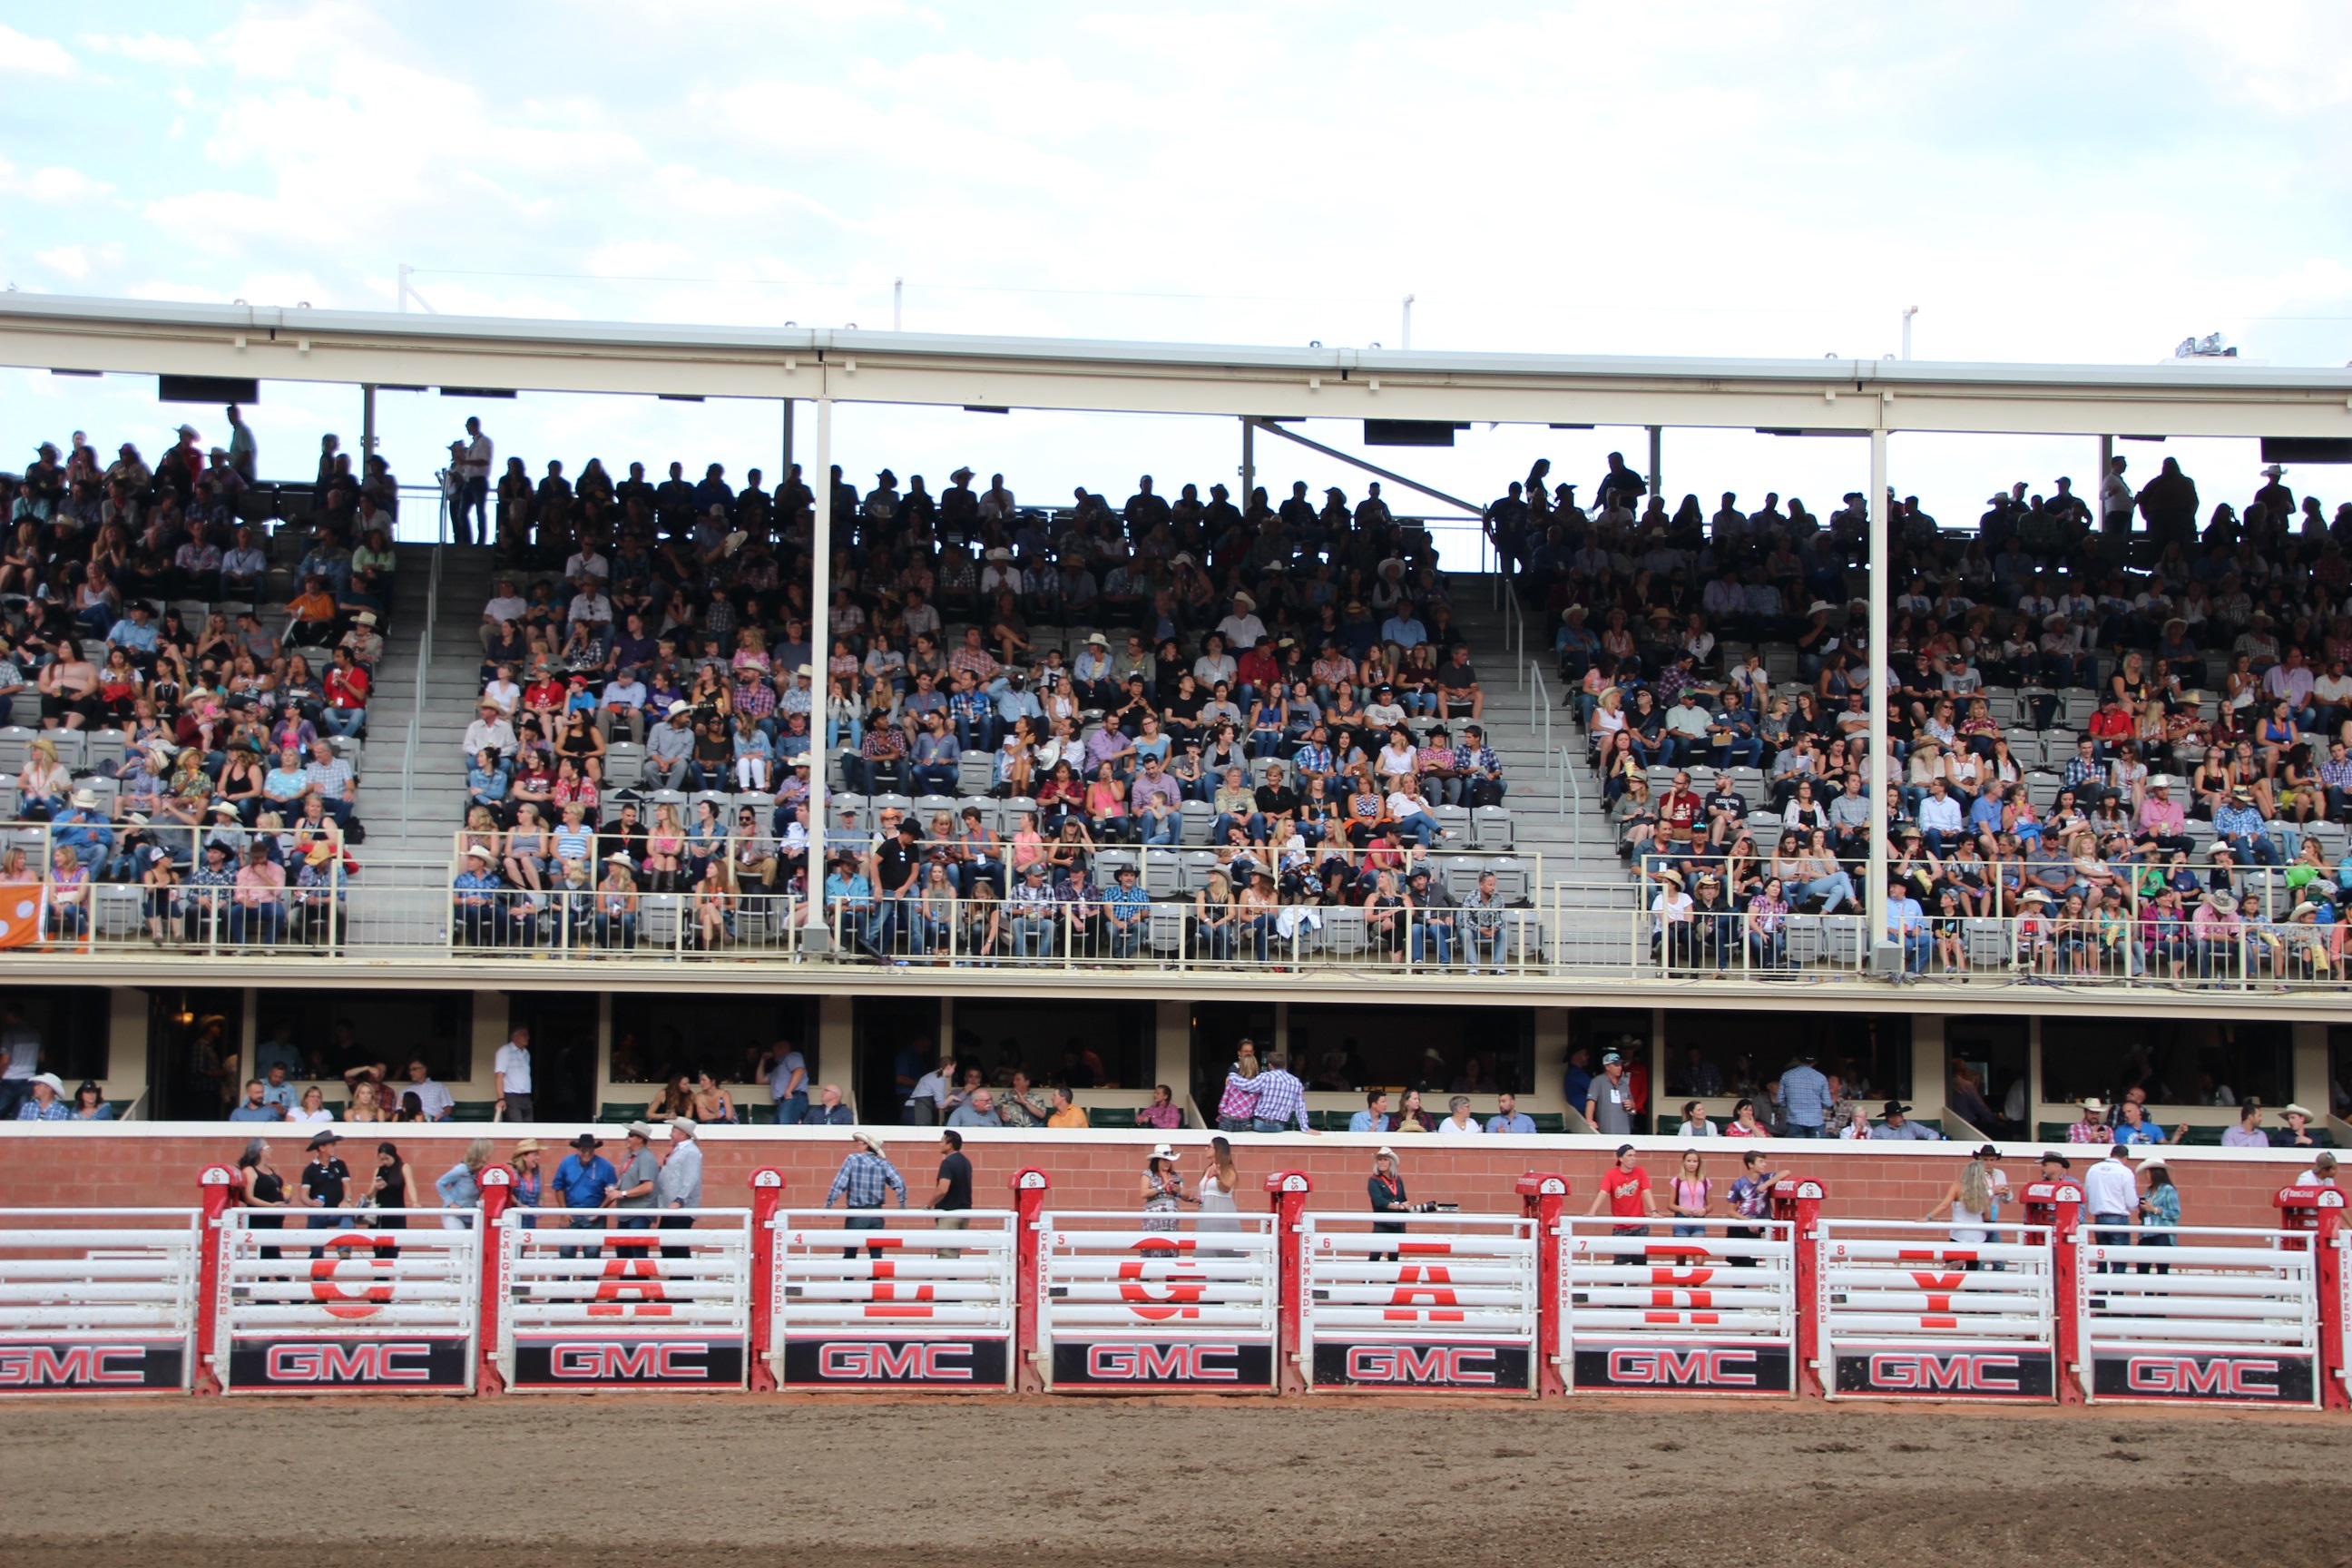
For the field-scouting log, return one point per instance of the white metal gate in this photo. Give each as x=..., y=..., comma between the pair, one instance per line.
x=2199, y=1313
x=343, y=1301
x=599, y=1307
x=1442, y=1302
x=918, y=1303
x=98, y=1300
x=1907, y=1312
x=1131, y=1301
x=1715, y=1312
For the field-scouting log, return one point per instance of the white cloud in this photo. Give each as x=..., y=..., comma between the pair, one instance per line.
x=54, y=185
x=34, y=56
x=69, y=260
x=150, y=48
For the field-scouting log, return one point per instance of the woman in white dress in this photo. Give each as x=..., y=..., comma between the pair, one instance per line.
x=1218, y=1184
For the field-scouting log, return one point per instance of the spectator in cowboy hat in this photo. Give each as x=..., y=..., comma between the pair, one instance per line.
x=2296, y=1133
x=1896, y=1123
x=582, y=1182
x=862, y=1184
x=679, y=1184
x=631, y=1191
x=46, y=1102
x=2091, y=1127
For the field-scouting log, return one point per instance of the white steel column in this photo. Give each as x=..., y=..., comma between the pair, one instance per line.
x=820, y=651
x=1883, y=776
x=367, y=429
x=784, y=475
x=1657, y=453
x=1249, y=464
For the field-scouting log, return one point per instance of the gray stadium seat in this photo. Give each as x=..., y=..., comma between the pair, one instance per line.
x=975, y=771
x=1491, y=826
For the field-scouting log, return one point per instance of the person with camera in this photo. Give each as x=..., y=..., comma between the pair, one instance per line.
x=1386, y=1186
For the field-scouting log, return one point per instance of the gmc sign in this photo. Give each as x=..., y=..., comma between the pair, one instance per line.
x=595, y=1360
x=419, y=1365
x=972, y=1363
x=92, y=1366
x=2215, y=1376
x=1686, y=1369
x=1484, y=1367
x=1948, y=1375
x=1226, y=1366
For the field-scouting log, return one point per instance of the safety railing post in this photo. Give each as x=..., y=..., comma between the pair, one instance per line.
x=489, y=1368
x=1798, y=1201
x=1543, y=1198
x=216, y=1189
x=1029, y=1189
x=1288, y=1190
x=2321, y=1211
x=2058, y=1207
x=767, y=1192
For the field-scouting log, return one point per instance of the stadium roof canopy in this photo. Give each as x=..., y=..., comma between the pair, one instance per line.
x=1828, y=397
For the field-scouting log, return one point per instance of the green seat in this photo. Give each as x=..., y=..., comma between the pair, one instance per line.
x=2053, y=1131
x=2204, y=1136
x=1110, y=1116
x=757, y=1115
x=1548, y=1121
x=473, y=1110
x=622, y=1111
x=1330, y=1121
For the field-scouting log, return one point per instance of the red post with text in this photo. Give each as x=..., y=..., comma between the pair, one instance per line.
x=2320, y=1211
x=218, y=1188
x=1287, y=1191
x=1029, y=1188
x=2056, y=1208
x=767, y=1192
x=1543, y=1198
x=498, y=1191
x=1797, y=1201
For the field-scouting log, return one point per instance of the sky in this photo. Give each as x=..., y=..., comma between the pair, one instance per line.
x=2086, y=183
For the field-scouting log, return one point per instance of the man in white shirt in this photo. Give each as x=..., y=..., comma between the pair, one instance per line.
x=1459, y=1122
x=590, y=607
x=511, y=1067
x=585, y=563
x=505, y=605
x=621, y=708
x=474, y=485
x=437, y=1102
x=929, y=1098
x=2115, y=499
x=1242, y=630
x=2111, y=1195
x=489, y=732
x=1939, y=817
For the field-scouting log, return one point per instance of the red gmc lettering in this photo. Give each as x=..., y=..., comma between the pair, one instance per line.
x=74, y=1366
x=603, y=1362
x=1419, y=1363
x=1154, y=1364
x=880, y=1362
x=1963, y=1373
x=2222, y=1376
x=379, y=1361
x=1698, y=1367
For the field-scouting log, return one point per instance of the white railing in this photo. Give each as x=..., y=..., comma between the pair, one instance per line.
x=381, y=1299
x=98, y=1300
x=1908, y=1312
x=617, y=1303
x=1135, y=1302
x=1433, y=1301
x=926, y=1300
x=2199, y=1313
x=1713, y=1311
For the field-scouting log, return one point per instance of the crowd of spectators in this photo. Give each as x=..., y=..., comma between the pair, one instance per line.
x=2187, y=826
x=1281, y=685
x=187, y=736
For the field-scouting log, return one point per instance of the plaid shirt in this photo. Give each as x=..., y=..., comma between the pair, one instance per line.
x=1477, y=760
x=1125, y=899
x=1281, y=1098
x=979, y=660
x=2334, y=775
x=1483, y=912
x=2080, y=773
x=2081, y=1131
x=865, y=1177
x=754, y=696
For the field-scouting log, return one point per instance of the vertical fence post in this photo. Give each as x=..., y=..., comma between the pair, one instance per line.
x=1543, y=1198
x=1798, y=1201
x=2058, y=1207
x=767, y=1195
x=216, y=1187
x=1289, y=1190
x=1029, y=1189
x=497, y=1190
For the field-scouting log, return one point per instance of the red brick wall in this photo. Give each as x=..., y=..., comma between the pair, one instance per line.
x=126, y=1166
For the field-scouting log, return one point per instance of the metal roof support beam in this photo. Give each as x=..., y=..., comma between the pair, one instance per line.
x=1472, y=508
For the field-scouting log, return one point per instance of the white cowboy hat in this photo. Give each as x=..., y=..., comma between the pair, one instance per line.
x=1160, y=1151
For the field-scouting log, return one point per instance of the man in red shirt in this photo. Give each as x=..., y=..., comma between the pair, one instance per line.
x=1626, y=1190
x=2111, y=724
x=1679, y=810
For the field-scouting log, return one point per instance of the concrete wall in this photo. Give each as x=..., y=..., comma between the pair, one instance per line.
x=54, y=1163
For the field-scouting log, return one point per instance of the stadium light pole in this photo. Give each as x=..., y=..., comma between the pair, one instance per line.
x=820, y=644
x=1882, y=766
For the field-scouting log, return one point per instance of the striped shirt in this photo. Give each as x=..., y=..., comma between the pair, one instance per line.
x=1281, y=1098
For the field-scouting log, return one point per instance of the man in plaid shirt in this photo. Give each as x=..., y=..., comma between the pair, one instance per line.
x=1127, y=908
x=974, y=660
x=1281, y=1098
x=2085, y=774
x=1473, y=759
x=973, y=712
x=2335, y=778
x=1481, y=923
x=755, y=697
x=862, y=1180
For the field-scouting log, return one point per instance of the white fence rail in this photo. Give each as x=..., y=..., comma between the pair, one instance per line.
x=1440, y=1302
x=1713, y=1312
x=925, y=1301
x=1909, y=1311
x=378, y=1300
x=1140, y=1302
x=2201, y=1314
x=98, y=1300
x=626, y=1307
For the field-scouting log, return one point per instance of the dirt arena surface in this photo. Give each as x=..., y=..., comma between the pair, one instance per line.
x=599, y=1483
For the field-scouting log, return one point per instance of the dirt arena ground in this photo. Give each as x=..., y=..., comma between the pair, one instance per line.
x=522, y=1483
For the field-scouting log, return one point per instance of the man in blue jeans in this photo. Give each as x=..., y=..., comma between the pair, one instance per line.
x=787, y=1074
x=581, y=1180
x=1804, y=1098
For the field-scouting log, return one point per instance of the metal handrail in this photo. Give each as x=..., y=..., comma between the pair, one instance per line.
x=424, y=662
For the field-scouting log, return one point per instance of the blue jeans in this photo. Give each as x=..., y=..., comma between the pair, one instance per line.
x=344, y=721
x=793, y=1110
x=1422, y=826
x=1440, y=934
x=1164, y=834
x=2254, y=848
x=1033, y=936
x=1268, y=1124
